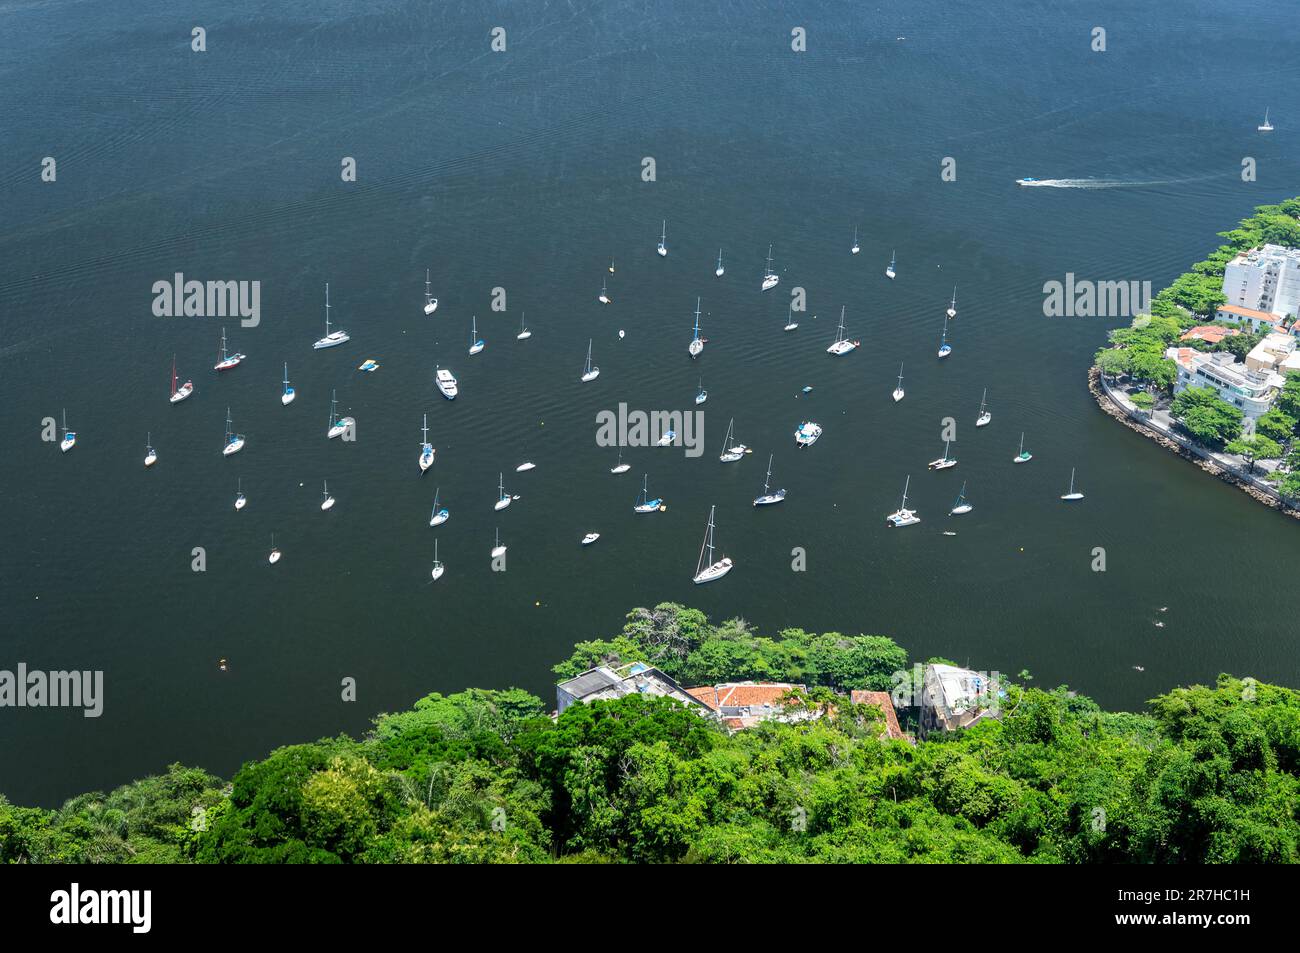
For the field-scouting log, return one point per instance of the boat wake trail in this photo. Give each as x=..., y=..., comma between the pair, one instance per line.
x=1104, y=183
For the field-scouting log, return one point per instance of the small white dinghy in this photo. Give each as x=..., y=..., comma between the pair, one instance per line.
x=590, y=538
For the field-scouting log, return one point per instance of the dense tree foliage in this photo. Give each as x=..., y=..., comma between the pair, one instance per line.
x=1207, y=417
x=1211, y=774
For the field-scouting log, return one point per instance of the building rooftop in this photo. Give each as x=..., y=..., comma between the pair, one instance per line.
x=635, y=678
x=1243, y=312
x=1209, y=333
x=886, y=704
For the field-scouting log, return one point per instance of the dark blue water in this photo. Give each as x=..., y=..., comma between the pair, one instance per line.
x=521, y=170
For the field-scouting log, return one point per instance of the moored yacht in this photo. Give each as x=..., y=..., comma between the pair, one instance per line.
x=179, y=393
x=898, y=391
x=446, y=382
x=1023, y=456
x=842, y=344
x=227, y=360
x=338, y=426
x=770, y=278
x=706, y=570
x=643, y=502
x=889, y=272
x=69, y=436
x=732, y=449
x=234, y=441
x=903, y=516
x=663, y=241
x=289, y=394
x=1072, y=493
x=985, y=417
x=430, y=302
x=476, y=343
x=589, y=373
x=944, y=462
x=331, y=338
x=426, y=448
x=807, y=434
x=150, y=454
x=767, y=498
x=961, y=506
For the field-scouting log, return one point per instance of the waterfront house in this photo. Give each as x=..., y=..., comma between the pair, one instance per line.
x=1249, y=317
x=635, y=678
x=740, y=705
x=1269, y=354
x=1265, y=279
x=886, y=705
x=953, y=698
x=1253, y=391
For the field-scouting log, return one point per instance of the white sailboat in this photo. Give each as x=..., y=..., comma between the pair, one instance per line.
x=338, y=426
x=944, y=462
x=663, y=241
x=889, y=272
x=767, y=498
x=331, y=338
x=856, y=247
x=589, y=373
x=1267, y=126
x=240, y=500
x=326, y=501
x=524, y=334
x=706, y=570
x=808, y=433
x=702, y=395
x=620, y=467
x=234, y=441
x=69, y=437
x=426, y=448
x=611, y=264
x=697, y=342
x=476, y=343
x=498, y=549
x=604, y=291
x=903, y=516
x=446, y=383
x=274, y=557
x=770, y=278
x=430, y=302
x=985, y=417
x=842, y=345
x=790, y=322
x=504, y=499
x=1072, y=493
x=179, y=393
x=150, y=455
x=732, y=450
x=944, y=347
x=227, y=360
x=961, y=506
x=439, y=514
x=719, y=271
x=952, y=305
x=438, y=568
x=1023, y=456
x=898, y=391
x=289, y=393
x=643, y=502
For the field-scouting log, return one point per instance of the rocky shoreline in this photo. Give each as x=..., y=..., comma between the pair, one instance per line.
x=1209, y=466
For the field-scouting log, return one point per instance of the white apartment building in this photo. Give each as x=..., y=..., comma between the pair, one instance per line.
x=1253, y=391
x=1265, y=279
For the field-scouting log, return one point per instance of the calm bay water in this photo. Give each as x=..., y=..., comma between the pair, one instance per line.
x=521, y=170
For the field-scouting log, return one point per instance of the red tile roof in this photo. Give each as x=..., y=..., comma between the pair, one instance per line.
x=885, y=704
x=1209, y=333
x=1250, y=313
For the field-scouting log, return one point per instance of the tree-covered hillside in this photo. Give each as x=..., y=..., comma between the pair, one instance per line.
x=1209, y=774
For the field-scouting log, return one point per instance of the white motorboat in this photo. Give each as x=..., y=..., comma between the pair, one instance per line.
x=590, y=538
x=807, y=434
x=525, y=467
x=446, y=383
x=331, y=338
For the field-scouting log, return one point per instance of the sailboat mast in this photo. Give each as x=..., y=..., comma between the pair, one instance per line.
x=327, y=309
